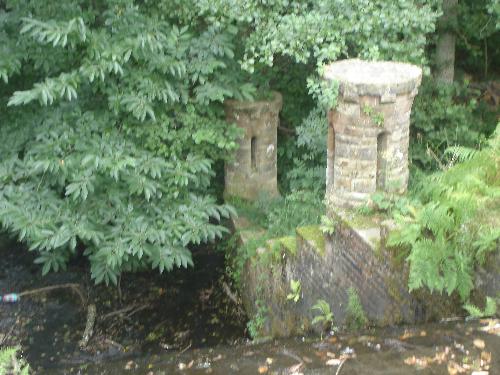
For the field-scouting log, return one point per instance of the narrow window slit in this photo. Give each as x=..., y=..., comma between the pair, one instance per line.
x=253, y=153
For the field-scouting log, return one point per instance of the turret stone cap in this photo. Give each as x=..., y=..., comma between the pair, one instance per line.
x=373, y=78
x=275, y=102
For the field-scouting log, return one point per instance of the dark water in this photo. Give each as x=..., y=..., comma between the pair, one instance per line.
x=177, y=311
x=430, y=349
x=185, y=323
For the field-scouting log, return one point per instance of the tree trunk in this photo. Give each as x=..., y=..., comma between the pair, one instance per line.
x=445, y=47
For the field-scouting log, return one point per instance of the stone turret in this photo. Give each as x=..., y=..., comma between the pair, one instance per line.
x=253, y=170
x=368, y=132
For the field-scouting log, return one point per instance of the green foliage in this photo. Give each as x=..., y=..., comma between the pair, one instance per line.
x=376, y=117
x=325, y=315
x=478, y=35
x=271, y=219
x=490, y=309
x=328, y=225
x=443, y=117
x=283, y=215
x=256, y=324
x=453, y=223
x=295, y=291
x=356, y=317
x=326, y=30
x=494, y=9
x=11, y=364
x=112, y=134
x=307, y=171
x=385, y=203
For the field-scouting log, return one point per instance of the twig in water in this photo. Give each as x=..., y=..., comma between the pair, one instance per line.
x=230, y=294
x=452, y=319
x=114, y=343
x=232, y=297
x=140, y=308
x=89, y=327
x=119, y=312
x=73, y=286
x=186, y=348
x=292, y=355
x=340, y=366
x=7, y=335
x=131, y=310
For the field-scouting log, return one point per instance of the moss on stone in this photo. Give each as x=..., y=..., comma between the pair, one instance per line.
x=312, y=233
x=358, y=220
x=289, y=243
x=247, y=209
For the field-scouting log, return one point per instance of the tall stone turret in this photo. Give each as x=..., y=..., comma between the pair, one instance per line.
x=253, y=170
x=368, y=132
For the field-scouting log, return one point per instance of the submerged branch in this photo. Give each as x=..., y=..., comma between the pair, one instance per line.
x=73, y=286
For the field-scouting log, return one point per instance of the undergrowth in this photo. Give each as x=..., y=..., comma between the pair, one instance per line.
x=271, y=218
x=11, y=363
x=453, y=222
x=356, y=317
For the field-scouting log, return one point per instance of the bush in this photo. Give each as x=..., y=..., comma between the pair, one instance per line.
x=110, y=136
x=453, y=222
x=446, y=116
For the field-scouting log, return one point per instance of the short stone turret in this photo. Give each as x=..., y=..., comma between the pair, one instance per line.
x=253, y=170
x=368, y=132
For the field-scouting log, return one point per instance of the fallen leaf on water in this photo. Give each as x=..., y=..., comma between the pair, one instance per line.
x=333, y=362
x=454, y=368
x=130, y=365
x=406, y=335
x=263, y=369
x=480, y=373
x=410, y=361
x=486, y=357
x=493, y=327
x=330, y=355
x=320, y=354
x=182, y=366
x=422, y=362
x=307, y=359
x=234, y=367
x=269, y=361
x=478, y=343
x=365, y=339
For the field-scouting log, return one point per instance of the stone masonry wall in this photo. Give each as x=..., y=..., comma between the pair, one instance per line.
x=349, y=258
x=348, y=261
